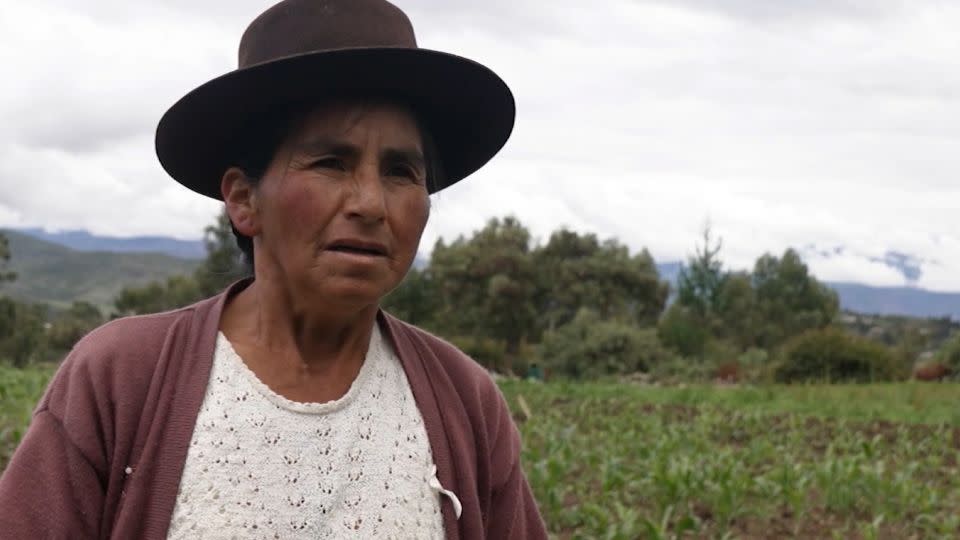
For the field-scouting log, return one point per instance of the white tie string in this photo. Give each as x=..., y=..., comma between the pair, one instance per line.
x=435, y=485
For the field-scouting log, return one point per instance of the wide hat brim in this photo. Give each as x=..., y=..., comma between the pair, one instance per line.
x=468, y=109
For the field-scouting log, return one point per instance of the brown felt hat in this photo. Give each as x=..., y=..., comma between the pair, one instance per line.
x=304, y=50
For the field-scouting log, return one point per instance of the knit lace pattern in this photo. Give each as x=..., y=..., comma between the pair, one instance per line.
x=262, y=466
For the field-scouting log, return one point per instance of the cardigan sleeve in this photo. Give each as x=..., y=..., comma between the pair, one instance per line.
x=57, y=481
x=513, y=510
x=50, y=489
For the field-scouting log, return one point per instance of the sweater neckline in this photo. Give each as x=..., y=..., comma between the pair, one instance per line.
x=410, y=349
x=374, y=353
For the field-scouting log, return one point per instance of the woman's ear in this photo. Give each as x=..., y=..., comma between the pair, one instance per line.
x=239, y=194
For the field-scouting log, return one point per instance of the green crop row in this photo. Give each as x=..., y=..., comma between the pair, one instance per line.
x=605, y=461
x=616, y=460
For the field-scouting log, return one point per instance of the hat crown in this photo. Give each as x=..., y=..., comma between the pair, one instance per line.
x=295, y=27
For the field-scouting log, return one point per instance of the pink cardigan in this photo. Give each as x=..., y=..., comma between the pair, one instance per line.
x=105, y=451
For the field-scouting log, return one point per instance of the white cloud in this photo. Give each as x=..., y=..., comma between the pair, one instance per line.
x=814, y=123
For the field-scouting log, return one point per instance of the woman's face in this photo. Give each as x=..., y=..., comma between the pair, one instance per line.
x=339, y=212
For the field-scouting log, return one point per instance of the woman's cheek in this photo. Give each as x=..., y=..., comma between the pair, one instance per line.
x=417, y=212
x=302, y=207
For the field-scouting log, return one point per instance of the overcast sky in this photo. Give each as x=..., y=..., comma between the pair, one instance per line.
x=832, y=126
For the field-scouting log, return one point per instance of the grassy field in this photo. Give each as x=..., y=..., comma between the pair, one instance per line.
x=20, y=389
x=626, y=461
x=614, y=460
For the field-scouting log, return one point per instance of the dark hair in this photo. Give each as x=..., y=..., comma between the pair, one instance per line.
x=264, y=137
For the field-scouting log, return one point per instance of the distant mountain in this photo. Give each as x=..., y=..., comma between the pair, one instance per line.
x=669, y=271
x=60, y=267
x=84, y=241
x=47, y=272
x=908, y=301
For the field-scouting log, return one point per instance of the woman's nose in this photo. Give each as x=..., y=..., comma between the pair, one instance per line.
x=366, y=199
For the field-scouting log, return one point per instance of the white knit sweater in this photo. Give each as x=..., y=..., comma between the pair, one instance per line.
x=262, y=466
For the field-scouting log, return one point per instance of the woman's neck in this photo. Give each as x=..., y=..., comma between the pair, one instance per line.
x=298, y=334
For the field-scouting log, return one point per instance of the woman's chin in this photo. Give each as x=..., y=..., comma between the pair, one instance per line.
x=349, y=292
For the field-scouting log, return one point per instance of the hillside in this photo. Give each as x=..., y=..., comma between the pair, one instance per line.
x=47, y=272
x=81, y=240
x=908, y=301
x=106, y=264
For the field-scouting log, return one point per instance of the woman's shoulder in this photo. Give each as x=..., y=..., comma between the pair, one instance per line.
x=132, y=334
x=119, y=357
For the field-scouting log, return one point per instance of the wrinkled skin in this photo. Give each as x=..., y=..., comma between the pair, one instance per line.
x=336, y=221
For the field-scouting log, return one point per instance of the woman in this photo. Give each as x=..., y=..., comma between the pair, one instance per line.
x=290, y=406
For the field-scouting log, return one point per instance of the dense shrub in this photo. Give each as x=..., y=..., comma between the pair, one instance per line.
x=832, y=355
x=588, y=347
x=949, y=353
x=680, y=370
x=69, y=326
x=487, y=352
x=754, y=357
x=721, y=351
x=158, y=296
x=755, y=366
x=683, y=331
x=22, y=332
x=722, y=357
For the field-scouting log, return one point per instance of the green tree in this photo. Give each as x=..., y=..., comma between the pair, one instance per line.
x=416, y=300
x=574, y=271
x=5, y=275
x=700, y=281
x=777, y=300
x=789, y=300
x=175, y=292
x=68, y=327
x=22, y=332
x=735, y=310
x=949, y=353
x=8, y=318
x=712, y=304
x=224, y=262
x=589, y=347
x=486, y=284
x=22, y=338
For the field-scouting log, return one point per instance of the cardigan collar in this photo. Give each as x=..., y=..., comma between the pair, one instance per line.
x=404, y=341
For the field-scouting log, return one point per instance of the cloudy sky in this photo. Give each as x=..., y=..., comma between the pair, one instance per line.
x=832, y=126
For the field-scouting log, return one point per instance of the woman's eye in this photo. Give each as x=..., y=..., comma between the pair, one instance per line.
x=330, y=163
x=403, y=172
